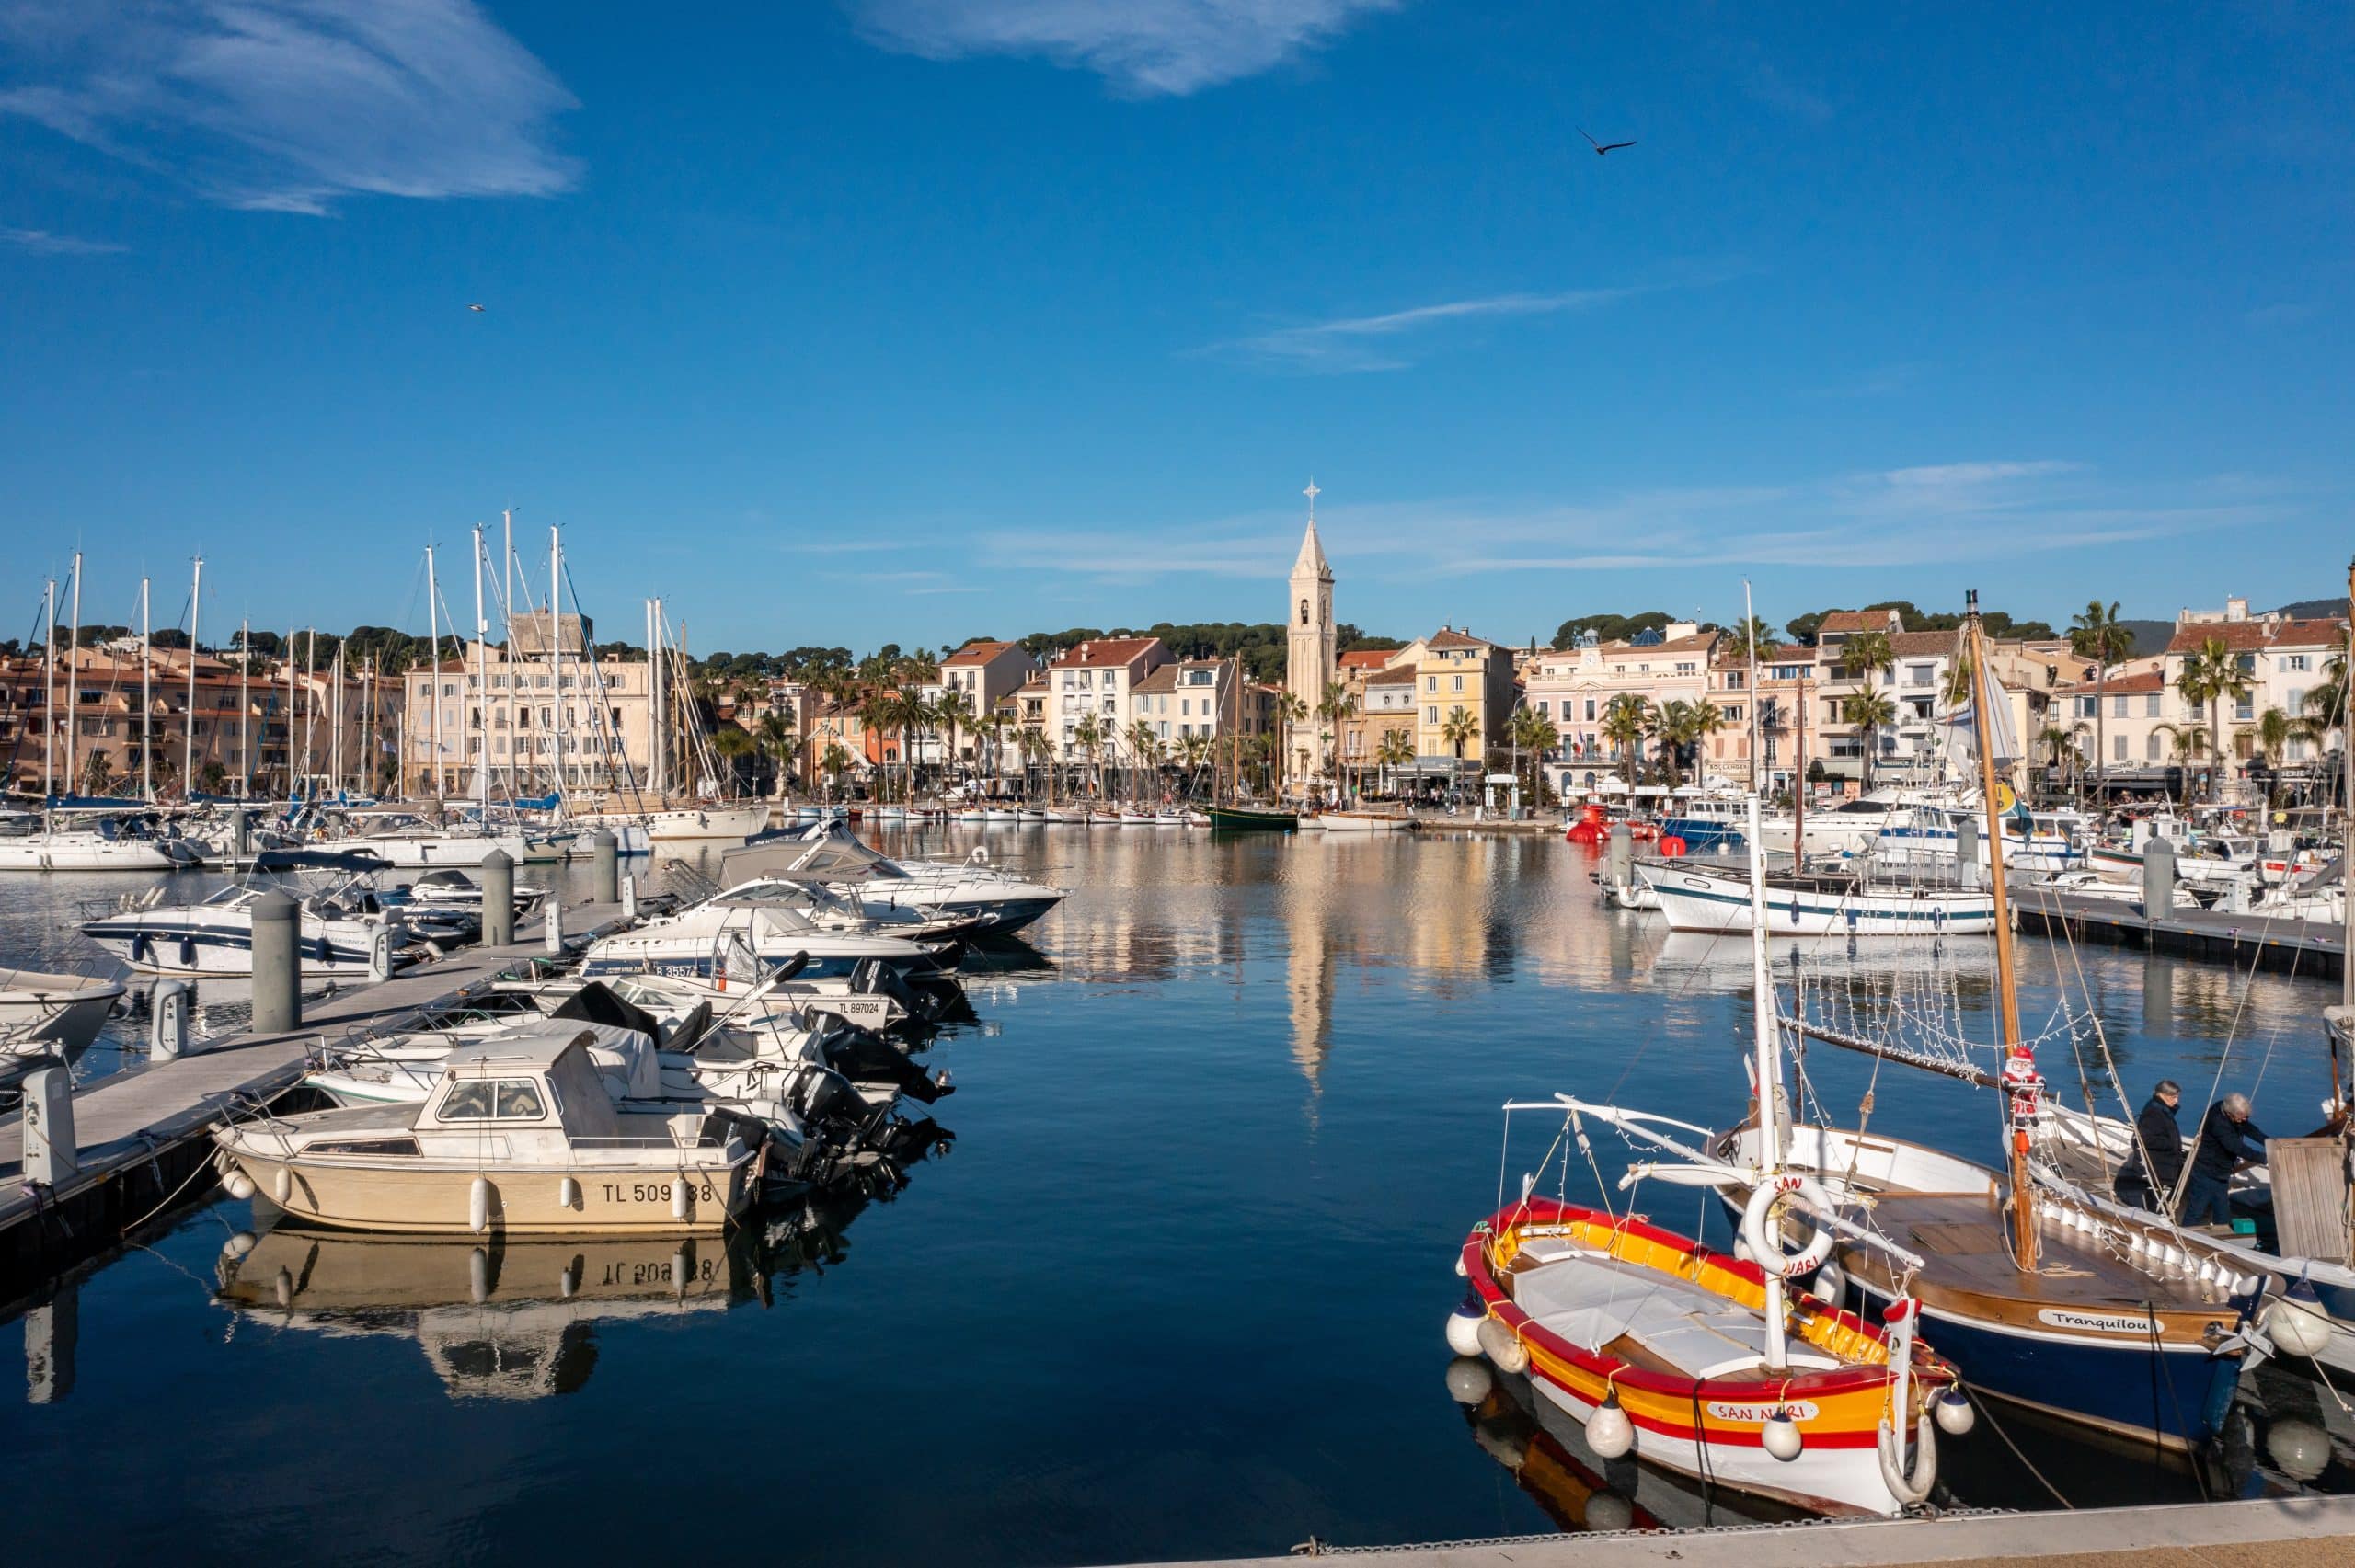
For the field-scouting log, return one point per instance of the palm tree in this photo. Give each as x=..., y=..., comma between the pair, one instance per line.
x=1626, y=719
x=1089, y=733
x=1870, y=712
x=1867, y=654
x=1533, y=732
x=1459, y=728
x=776, y=737
x=1036, y=748
x=1681, y=724
x=955, y=709
x=2273, y=731
x=2057, y=742
x=2210, y=676
x=1193, y=754
x=1290, y=711
x=834, y=763
x=1393, y=751
x=2189, y=743
x=731, y=746
x=906, y=711
x=1337, y=705
x=1139, y=740
x=1749, y=639
x=2095, y=632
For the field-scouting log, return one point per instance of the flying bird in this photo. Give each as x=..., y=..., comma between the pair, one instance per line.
x=1603, y=147
x=473, y=307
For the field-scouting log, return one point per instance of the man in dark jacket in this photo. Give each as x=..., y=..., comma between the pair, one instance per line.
x=2149, y=1173
x=2228, y=1140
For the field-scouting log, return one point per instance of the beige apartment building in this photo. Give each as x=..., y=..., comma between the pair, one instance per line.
x=545, y=715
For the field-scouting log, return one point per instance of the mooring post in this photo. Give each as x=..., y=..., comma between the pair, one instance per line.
x=498, y=900
x=1620, y=859
x=2158, y=880
x=606, y=860
x=167, y=1021
x=1966, y=850
x=49, y=1148
x=630, y=897
x=554, y=928
x=278, y=964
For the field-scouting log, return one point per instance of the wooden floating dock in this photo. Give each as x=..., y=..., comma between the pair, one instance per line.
x=2291, y=946
x=141, y=1133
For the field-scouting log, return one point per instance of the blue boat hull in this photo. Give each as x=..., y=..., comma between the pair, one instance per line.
x=2178, y=1398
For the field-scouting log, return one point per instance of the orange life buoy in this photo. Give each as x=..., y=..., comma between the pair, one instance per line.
x=1671, y=846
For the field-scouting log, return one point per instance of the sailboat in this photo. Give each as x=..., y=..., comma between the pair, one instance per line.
x=2100, y=1316
x=1709, y=1365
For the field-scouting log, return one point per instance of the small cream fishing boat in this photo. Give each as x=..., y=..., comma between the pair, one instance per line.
x=520, y=1137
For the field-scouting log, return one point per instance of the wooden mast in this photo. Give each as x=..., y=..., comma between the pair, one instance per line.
x=2020, y=1080
x=1799, y=788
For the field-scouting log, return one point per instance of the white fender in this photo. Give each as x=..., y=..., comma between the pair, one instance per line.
x=1912, y=1486
x=478, y=1205
x=1503, y=1347
x=568, y=1193
x=1768, y=1254
x=678, y=1198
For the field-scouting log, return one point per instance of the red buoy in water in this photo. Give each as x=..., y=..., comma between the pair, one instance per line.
x=1671, y=846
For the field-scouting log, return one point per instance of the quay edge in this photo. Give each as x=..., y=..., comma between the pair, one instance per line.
x=2274, y=1532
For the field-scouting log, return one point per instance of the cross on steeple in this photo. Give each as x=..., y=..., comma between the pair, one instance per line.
x=1312, y=493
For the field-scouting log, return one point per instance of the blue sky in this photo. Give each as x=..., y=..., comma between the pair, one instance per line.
x=917, y=319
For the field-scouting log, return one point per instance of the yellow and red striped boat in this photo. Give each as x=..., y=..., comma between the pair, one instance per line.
x=1658, y=1343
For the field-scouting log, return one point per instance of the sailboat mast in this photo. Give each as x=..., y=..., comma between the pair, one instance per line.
x=2347, y=812
x=310, y=699
x=514, y=664
x=556, y=639
x=434, y=684
x=1799, y=785
x=147, y=698
x=335, y=724
x=72, y=677
x=657, y=770
x=482, y=687
x=1750, y=641
x=48, y=691
x=188, y=739
x=2020, y=1080
x=245, y=709
x=1766, y=1070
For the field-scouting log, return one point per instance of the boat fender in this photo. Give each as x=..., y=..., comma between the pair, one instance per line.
x=282, y=1185
x=1467, y=1380
x=2300, y=1449
x=143, y=948
x=284, y=1287
x=1956, y=1417
x=1769, y=1254
x=1780, y=1436
x=567, y=1279
x=1829, y=1284
x=187, y=953
x=1608, y=1431
x=1502, y=1345
x=1461, y=1271
x=568, y=1193
x=238, y=1245
x=478, y=1205
x=2294, y=1328
x=678, y=1198
x=237, y=1184
x=1464, y=1328
x=1914, y=1486
x=478, y=1276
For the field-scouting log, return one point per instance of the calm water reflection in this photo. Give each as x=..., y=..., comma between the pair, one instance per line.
x=1177, y=1291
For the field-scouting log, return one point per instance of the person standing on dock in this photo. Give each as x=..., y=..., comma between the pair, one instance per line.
x=2157, y=1160
x=2228, y=1139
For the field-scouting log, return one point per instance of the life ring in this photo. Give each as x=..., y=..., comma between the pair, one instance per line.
x=1769, y=1255
x=1671, y=846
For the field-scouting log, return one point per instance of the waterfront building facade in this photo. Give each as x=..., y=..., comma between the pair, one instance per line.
x=538, y=714
x=1096, y=679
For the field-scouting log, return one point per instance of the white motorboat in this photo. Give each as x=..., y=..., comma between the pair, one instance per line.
x=453, y=891
x=48, y=1018
x=339, y=921
x=404, y=838
x=687, y=824
x=518, y=1136
x=1697, y=898
x=1932, y=836
x=972, y=888
x=109, y=841
x=748, y=931
x=1851, y=827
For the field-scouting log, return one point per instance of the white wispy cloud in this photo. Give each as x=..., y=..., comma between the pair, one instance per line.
x=1937, y=513
x=290, y=105
x=1383, y=342
x=1140, y=46
x=41, y=242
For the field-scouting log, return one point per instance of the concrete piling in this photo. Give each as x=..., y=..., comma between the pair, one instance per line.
x=1619, y=860
x=1966, y=851
x=604, y=854
x=630, y=897
x=51, y=1153
x=278, y=964
x=553, y=931
x=498, y=900
x=2158, y=878
x=167, y=1021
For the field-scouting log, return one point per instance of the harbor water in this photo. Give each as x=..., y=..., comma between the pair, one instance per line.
x=1173, y=1285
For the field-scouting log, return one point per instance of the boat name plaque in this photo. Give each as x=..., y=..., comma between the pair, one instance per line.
x=1727, y=1409
x=2099, y=1322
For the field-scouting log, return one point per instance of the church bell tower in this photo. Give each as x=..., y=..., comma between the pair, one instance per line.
x=1309, y=662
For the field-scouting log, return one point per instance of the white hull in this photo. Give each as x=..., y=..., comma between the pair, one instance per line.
x=83, y=851
x=1696, y=901
x=196, y=940
x=1363, y=822
x=419, y=851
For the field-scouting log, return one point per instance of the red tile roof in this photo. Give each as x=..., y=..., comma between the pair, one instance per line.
x=1855, y=621
x=1447, y=636
x=1368, y=658
x=1104, y=653
x=2117, y=686
x=976, y=653
x=2248, y=636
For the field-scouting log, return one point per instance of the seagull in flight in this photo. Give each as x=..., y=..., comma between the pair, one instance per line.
x=473, y=307
x=1603, y=147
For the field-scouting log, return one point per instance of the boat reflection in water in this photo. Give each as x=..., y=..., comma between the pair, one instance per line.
x=517, y=1319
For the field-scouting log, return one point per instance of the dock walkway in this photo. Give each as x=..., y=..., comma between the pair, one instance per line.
x=140, y=1133
x=2302, y=947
